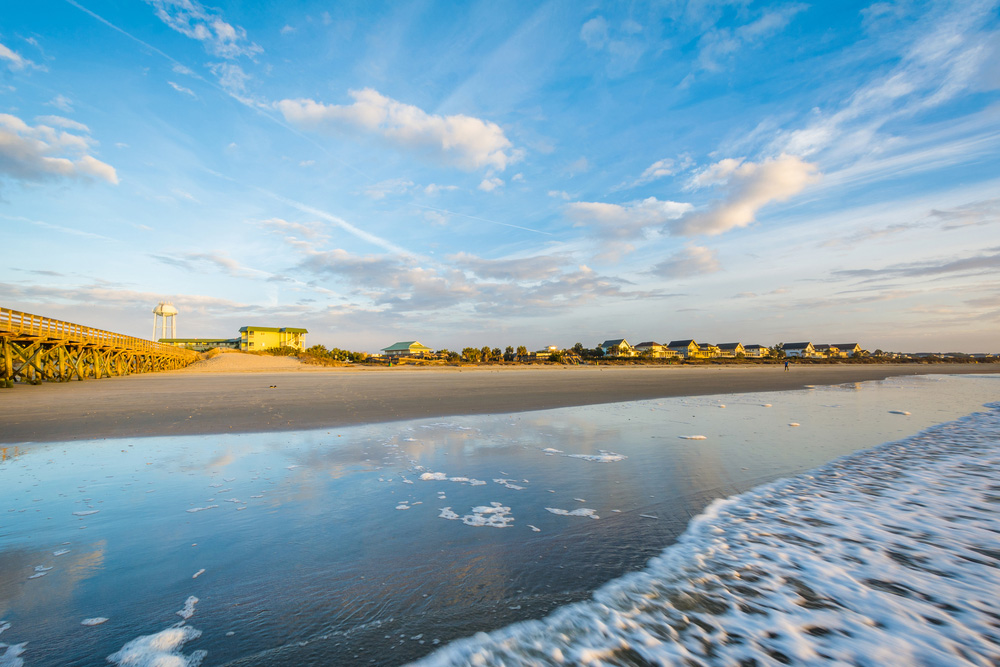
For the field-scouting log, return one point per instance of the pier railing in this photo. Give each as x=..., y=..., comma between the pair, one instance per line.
x=35, y=348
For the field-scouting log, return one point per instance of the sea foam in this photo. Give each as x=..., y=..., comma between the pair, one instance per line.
x=886, y=556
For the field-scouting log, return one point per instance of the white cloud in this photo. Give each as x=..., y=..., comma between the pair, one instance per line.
x=467, y=142
x=42, y=152
x=61, y=102
x=490, y=184
x=578, y=166
x=594, y=33
x=560, y=194
x=433, y=189
x=393, y=186
x=655, y=171
x=625, y=221
x=519, y=269
x=748, y=186
x=691, y=261
x=232, y=78
x=181, y=89
x=718, y=46
x=287, y=30
x=193, y=20
x=15, y=61
x=307, y=163
x=310, y=230
x=65, y=123
x=624, y=44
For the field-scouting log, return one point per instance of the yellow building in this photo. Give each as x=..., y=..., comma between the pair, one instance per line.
x=262, y=338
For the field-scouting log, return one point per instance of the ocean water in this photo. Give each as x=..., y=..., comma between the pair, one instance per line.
x=624, y=534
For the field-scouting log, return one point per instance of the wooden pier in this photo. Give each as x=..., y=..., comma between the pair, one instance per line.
x=35, y=348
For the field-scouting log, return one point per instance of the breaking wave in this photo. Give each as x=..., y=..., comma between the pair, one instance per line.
x=885, y=556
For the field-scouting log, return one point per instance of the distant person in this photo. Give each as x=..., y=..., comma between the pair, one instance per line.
x=786, y=365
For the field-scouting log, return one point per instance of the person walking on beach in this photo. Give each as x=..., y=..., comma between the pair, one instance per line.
x=786, y=366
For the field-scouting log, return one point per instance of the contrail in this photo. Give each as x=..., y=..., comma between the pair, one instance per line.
x=473, y=217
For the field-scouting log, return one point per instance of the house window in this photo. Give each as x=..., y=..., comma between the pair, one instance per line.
x=251, y=343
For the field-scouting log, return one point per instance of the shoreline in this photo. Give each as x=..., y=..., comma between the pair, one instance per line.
x=186, y=402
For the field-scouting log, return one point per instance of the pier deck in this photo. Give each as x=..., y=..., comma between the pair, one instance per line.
x=34, y=348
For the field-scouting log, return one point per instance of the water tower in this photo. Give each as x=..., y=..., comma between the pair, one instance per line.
x=166, y=310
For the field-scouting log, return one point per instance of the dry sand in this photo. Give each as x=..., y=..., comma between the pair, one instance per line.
x=246, y=393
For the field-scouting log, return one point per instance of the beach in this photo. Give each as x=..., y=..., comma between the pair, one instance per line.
x=405, y=539
x=248, y=394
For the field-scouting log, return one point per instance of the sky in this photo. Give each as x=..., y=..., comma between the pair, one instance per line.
x=516, y=173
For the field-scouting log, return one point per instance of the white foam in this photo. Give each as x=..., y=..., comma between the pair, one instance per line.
x=692, y=437
x=603, y=456
x=885, y=556
x=552, y=450
x=198, y=573
x=97, y=620
x=402, y=506
x=163, y=649
x=85, y=512
x=38, y=575
x=10, y=655
x=201, y=509
x=534, y=528
x=188, y=610
x=509, y=483
x=434, y=476
x=493, y=516
x=898, y=412
x=583, y=511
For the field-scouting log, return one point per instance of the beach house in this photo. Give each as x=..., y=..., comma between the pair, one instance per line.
x=406, y=348
x=800, y=350
x=756, y=351
x=848, y=349
x=655, y=350
x=731, y=350
x=617, y=347
x=685, y=348
x=254, y=339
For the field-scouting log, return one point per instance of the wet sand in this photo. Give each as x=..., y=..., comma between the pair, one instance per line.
x=189, y=402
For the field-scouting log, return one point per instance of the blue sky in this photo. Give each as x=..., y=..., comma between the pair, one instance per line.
x=482, y=173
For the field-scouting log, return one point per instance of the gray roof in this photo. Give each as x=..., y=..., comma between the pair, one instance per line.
x=612, y=343
x=680, y=343
x=795, y=346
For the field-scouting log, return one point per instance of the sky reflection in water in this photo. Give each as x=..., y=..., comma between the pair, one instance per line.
x=328, y=545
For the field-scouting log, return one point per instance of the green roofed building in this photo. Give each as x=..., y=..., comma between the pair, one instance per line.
x=407, y=348
x=253, y=339
x=202, y=344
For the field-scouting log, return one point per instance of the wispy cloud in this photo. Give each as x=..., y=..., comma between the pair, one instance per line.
x=464, y=141
x=986, y=263
x=519, y=269
x=181, y=89
x=954, y=55
x=622, y=42
x=43, y=153
x=719, y=45
x=691, y=261
x=625, y=221
x=393, y=186
x=193, y=20
x=15, y=61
